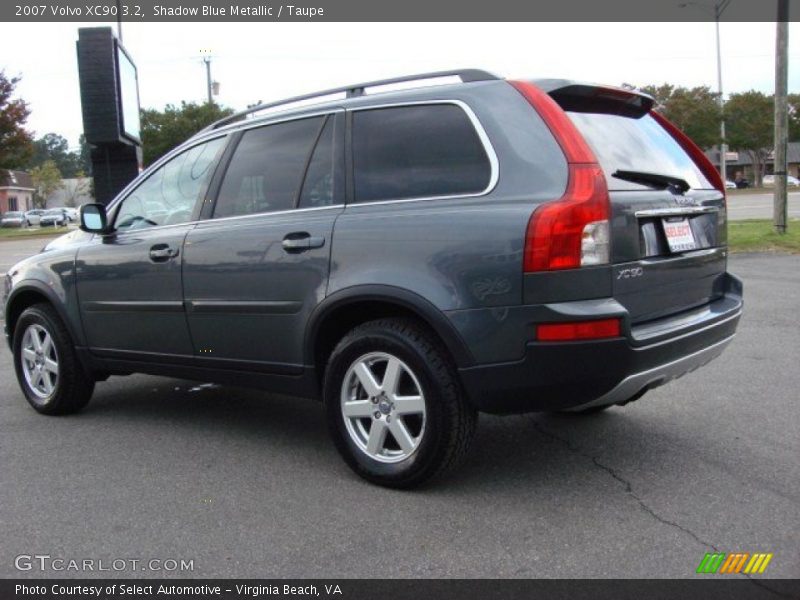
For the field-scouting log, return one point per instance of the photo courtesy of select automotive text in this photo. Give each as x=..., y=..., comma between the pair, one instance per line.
x=363, y=300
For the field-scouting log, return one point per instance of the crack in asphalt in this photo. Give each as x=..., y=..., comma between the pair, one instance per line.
x=625, y=483
x=629, y=490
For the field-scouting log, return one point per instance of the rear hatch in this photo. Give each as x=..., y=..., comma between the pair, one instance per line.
x=668, y=221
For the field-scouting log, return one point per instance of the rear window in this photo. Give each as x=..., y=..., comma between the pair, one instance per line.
x=417, y=151
x=631, y=144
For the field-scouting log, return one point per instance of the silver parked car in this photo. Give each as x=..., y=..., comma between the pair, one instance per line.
x=54, y=217
x=769, y=181
x=13, y=219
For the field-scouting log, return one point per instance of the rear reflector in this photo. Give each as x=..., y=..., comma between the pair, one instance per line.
x=693, y=150
x=572, y=231
x=579, y=330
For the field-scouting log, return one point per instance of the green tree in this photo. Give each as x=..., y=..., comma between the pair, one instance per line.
x=694, y=110
x=163, y=130
x=84, y=155
x=52, y=146
x=794, y=117
x=15, y=141
x=46, y=180
x=749, y=119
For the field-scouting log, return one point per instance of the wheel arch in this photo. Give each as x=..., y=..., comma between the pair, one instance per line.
x=345, y=309
x=27, y=294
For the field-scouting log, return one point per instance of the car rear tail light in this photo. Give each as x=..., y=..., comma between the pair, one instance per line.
x=578, y=330
x=693, y=150
x=573, y=231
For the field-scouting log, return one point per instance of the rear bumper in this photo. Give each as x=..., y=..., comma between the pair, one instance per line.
x=577, y=375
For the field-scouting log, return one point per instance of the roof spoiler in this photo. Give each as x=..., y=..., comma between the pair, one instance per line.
x=585, y=97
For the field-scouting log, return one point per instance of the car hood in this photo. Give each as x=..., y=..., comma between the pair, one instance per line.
x=73, y=237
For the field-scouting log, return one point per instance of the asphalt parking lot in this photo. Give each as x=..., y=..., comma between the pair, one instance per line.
x=759, y=206
x=248, y=485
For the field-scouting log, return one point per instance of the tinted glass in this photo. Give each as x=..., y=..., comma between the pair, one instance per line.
x=169, y=195
x=631, y=144
x=415, y=152
x=267, y=168
x=318, y=184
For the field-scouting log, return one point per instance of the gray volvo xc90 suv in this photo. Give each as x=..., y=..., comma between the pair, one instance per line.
x=410, y=257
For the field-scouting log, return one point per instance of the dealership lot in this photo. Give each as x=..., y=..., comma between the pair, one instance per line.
x=247, y=485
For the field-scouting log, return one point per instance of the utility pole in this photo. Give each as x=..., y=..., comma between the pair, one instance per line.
x=719, y=8
x=780, y=205
x=119, y=20
x=207, y=60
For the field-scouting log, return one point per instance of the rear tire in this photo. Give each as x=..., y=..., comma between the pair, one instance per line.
x=394, y=405
x=47, y=366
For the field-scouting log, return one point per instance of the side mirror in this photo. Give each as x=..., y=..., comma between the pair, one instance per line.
x=93, y=218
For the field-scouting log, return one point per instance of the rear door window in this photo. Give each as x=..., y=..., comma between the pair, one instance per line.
x=417, y=151
x=636, y=144
x=266, y=170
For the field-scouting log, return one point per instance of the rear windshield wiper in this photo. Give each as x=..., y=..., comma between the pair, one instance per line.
x=654, y=180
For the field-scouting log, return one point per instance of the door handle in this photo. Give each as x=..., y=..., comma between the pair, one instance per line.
x=162, y=252
x=300, y=241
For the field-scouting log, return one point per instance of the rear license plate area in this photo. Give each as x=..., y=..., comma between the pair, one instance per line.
x=679, y=234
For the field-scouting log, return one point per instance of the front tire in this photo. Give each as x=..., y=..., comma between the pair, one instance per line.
x=395, y=408
x=48, y=370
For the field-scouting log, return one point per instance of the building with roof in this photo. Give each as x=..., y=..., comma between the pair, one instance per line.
x=16, y=191
x=740, y=165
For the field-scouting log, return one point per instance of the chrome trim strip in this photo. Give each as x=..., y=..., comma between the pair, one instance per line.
x=659, y=375
x=291, y=211
x=133, y=306
x=276, y=307
x=676, y=211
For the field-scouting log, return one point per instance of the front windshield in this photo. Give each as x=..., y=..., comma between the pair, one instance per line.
x=53, y=212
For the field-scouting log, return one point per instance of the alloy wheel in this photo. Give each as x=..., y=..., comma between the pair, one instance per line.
x=383, y=407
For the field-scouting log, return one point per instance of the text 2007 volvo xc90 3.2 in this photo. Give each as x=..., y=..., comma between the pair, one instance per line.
x=411, y=257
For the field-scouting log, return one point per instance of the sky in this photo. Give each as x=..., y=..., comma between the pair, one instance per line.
x=269, y=61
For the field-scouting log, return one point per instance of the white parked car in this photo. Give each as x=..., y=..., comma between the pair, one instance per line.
x=769, y=181
x=32, y=217
x=72, y=213
x=730, y=184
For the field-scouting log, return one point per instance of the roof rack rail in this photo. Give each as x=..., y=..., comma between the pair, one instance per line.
x=353, y=91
